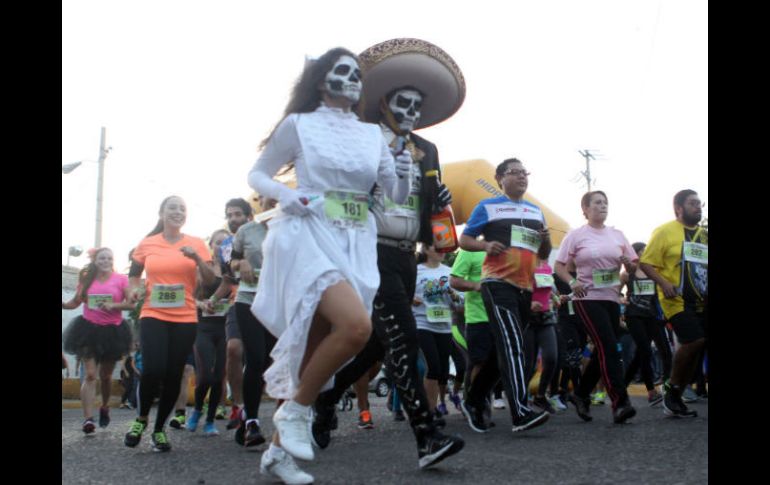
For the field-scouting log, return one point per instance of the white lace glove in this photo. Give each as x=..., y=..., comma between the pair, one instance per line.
x=403, y=164
x=292, y=203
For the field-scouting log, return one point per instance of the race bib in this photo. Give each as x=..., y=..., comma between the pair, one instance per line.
x=346, y=209
x=543, y=280
x=167, y=296
x=220, y=309
x=410, y=208
x=524, y=238
x=95, y=300
x=243, y=286
x=570, y=308
x=695, y=252
x=644, y=287
x=438, y=313
x=606, y=278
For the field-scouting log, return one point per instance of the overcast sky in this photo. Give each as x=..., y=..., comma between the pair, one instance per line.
x=187, y=89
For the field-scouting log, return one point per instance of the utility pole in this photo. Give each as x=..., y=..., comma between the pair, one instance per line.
x=103, y=151
x=587, y=174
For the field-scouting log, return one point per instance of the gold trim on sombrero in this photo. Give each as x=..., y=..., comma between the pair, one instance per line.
x=379, y=53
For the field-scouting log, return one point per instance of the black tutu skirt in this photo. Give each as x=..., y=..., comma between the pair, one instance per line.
x=104, y=343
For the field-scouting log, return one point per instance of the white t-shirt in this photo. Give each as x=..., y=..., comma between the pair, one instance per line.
x=435, y=311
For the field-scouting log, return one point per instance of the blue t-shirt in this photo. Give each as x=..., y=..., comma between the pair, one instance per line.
x=495, y=218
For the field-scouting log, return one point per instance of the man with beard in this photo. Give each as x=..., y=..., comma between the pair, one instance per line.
x=676, y=258
x=409, y=84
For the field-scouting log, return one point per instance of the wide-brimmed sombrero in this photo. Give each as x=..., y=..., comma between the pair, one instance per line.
x=412, y=62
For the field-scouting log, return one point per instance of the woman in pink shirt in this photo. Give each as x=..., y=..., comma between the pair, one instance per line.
x=598, y=251
x=100, y=336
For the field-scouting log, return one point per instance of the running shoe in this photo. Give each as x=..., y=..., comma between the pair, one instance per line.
x=323, y=424
x=530, y=420
x=293, y=423
x=235, y=418
x=498, y=404
x=399, y=415
x=434, y=446
x=688, y=395
x=582, y=406
x=597, y=398
x=279, y=464
x=253, y=435
x=673, y=405
x=134, y=434
x=544, y=404
x=89, y=426
x=455, y=398
x=221, y=413
x=160, y=442
x=438, y=420
x=623, y=413
x=365, y=420
x=104, y=416
x=557, y=403
x=178, y=421
x=441, y=408
x=209, y=429
x=192, y=423
x=654, y=398
x=475, y=418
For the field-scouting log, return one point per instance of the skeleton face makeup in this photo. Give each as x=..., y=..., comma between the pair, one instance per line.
x=344, y=79
x=405, y=105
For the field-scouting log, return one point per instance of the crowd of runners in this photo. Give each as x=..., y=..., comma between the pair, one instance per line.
x=346, y=277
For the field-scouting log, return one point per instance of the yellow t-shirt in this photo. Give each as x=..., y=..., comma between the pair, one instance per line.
x=664, y=252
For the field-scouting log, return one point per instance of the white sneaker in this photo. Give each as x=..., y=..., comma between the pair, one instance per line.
x=293, y=421
x=279, y=464
x=498, y=404
x=557, y=403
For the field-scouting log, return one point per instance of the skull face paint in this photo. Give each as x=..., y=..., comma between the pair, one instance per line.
x=405, y=105
x=344, y=79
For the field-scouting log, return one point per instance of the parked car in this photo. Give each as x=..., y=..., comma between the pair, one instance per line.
x=380, y=384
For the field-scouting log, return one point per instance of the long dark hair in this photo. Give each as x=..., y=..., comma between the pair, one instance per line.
x=88, y=274
x=159, y=226
x=306, y=96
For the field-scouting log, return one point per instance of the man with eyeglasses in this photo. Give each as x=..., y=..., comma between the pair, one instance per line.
x=676, y=258
x=515, y=237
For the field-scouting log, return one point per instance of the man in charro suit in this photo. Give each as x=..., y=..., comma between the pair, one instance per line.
x=408, y=84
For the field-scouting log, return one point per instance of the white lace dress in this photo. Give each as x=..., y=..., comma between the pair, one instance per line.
x=304, y=255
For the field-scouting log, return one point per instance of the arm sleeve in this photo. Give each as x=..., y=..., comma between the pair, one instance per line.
x=461, y=266
x=395, y=188
x=566, y=248
x=281, y=149
x=476, y=221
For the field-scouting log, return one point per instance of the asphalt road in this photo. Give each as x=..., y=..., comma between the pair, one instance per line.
x=650, y=449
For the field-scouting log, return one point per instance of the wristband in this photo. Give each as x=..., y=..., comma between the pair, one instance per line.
x=572, y=283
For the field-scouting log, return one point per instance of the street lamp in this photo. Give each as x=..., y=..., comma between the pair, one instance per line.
x=99, y=185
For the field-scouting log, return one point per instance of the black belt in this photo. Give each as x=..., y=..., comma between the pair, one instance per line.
x=404, y=245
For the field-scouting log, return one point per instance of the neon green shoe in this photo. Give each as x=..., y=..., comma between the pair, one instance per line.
x=177, y=422
x=221, y=412
x=597, y=399
x=134, y=434
x=160, y=442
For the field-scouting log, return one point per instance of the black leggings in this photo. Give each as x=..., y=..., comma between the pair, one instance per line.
x=436, y=348
x=257, y=345
x=394, y=338
x=209, y=363
x=644, y=330
x=165, y=347
x=601, y=319
x=543, y=337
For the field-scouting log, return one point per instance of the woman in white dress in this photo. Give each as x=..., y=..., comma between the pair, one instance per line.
x=319, y=276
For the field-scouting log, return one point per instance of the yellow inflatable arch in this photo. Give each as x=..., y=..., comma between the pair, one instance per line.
x=469, y=181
